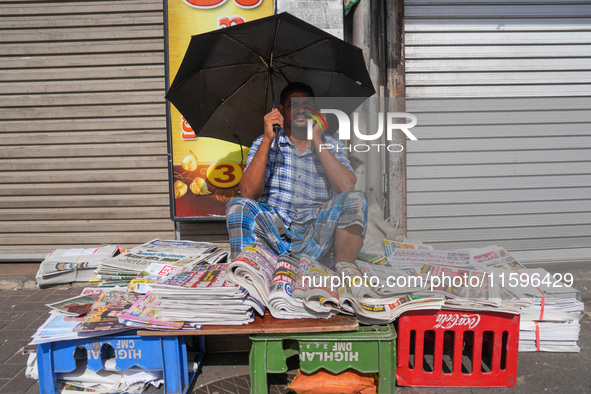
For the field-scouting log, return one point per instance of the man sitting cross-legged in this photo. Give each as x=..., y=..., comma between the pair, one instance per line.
x=298, y=196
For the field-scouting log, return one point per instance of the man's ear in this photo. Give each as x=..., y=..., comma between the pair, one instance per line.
x=280, y=108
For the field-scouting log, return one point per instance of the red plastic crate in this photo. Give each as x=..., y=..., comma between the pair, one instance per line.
x=457, y=349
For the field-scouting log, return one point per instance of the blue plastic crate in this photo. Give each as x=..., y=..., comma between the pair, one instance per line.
x=167, y=354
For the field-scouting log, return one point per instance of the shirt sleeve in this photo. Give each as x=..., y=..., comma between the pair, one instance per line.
x=252, y=151
x=339, y=151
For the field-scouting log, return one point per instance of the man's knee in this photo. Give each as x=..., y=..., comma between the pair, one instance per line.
x=354, y=200
x=240, y=205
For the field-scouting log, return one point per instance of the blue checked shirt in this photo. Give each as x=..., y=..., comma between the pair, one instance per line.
x=296, y=184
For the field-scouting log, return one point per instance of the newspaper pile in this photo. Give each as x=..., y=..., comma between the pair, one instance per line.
x=121, y=269
x=276, y=282
x=199, y=294
x=551, y=323
x=72, y=265
x=305, y=288
x=491, y=279
x=465, y=278
x=66, y=316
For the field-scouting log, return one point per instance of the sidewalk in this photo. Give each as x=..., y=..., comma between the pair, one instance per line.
x=23, y=310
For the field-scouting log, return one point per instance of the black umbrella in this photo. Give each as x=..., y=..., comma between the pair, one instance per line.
x=229, y=78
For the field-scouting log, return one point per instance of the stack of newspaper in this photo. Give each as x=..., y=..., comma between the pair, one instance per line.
x=72, y=265
x=491, y=279
x=96, y=312
x=305, y=288
x=121, y=269
x=68, y=315
x=360, y=289
x=464, y=278
x=551, y=323
x=276, y=282
x=199, y=294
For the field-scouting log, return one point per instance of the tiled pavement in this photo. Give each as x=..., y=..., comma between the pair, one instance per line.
x=21, y=313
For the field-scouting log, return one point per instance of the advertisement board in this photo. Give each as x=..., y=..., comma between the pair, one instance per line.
x=204, y=173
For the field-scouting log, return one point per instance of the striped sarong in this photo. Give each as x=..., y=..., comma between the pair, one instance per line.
x=249, y=221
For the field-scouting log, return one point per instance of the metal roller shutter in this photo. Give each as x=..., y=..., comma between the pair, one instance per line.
x=502, y=91
x=83, y=156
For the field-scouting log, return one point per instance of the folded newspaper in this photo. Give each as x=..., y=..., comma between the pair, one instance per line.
x=72, y=265
x=296, y=289
x=275, y=282
x=121, y=269
x=201, y=294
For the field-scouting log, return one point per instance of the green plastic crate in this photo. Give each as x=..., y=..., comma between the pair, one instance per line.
x=370, y=349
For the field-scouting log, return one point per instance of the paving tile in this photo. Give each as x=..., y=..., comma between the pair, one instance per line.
x=13, y=369
x=9, y=349
x=10, y=304
x=20, y=384
x=33, y=390
x=33, y=296
x=25, y=320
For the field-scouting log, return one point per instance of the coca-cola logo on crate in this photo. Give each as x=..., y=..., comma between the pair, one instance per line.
x=450, y=320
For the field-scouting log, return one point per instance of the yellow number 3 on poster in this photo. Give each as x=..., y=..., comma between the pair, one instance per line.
x=224, y=174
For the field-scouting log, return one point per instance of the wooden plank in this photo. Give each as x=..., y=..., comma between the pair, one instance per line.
x=487, y=2
x=507, y=183
x=75, y=73
x=82, y=111
x=498, y=38
x=103, y=150
x=457, y=11
x=489, y=196
x=270, y=325
x=77, y=8
x=106, y=237
x=125, y=200
x=84, y=137
x=149, y=122
x=412, y=25
x=75, y=60
x=492, y=104
x=34, y=214
x=497, y=157
x=497, y=51
x=507, y=118
x=83, y=20
x=522, y=233
x=90, y=188
x=83, y=163
x=500, y=221
x=114, y=175
x=507, y=144
x=498, y=170
x=498, y=78
x=89, y=33
x=99, y=85
x=518, y=208
x=84, y=226
x=472, y=65
x=499, y=91
x=435, y=131
x=513, y=244
x=123, y=46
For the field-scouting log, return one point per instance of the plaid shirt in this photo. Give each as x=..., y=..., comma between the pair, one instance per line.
x=296, y=184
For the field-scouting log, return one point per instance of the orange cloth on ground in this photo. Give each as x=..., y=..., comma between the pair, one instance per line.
x=322, y=382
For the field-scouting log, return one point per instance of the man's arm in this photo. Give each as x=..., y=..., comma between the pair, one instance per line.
x=340, y=177
x=253, y=179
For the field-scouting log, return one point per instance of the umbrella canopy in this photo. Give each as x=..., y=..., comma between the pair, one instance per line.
x=223, y=86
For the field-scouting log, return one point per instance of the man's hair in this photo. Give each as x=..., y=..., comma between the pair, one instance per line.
x=294, y=87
